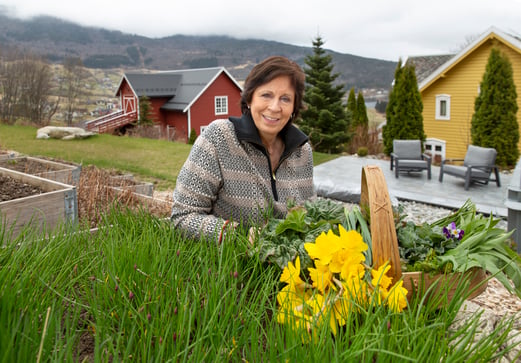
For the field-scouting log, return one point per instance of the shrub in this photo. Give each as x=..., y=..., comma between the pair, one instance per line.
x=362, y=151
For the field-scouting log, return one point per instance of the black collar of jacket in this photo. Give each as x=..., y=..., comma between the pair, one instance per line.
x=246, y=131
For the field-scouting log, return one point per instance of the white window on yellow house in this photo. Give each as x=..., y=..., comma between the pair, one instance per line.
x=442, y=107
x=221, y=105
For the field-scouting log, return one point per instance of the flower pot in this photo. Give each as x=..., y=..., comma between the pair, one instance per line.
x=376, y=205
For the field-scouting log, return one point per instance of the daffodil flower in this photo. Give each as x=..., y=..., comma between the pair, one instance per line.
x=340, y=284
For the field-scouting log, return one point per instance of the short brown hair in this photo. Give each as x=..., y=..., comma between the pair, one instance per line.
x=269, y=69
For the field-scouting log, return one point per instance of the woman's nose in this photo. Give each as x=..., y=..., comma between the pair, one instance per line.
x=275, y=104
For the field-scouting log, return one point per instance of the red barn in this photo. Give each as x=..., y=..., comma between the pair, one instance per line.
x=183, y=99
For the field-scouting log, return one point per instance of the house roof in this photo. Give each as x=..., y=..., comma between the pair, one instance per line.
x=513, y=41
x=426, y=65
x=183, y=86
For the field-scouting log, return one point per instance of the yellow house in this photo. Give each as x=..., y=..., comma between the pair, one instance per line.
x=449, y=85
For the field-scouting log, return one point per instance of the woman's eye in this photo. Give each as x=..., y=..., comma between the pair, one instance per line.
x=285, y=99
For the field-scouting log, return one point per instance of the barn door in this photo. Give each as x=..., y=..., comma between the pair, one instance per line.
x=129, y=104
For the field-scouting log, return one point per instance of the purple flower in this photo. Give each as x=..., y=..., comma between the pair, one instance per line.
x=452, y=232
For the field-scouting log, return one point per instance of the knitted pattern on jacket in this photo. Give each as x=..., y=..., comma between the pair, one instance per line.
x=227, y=176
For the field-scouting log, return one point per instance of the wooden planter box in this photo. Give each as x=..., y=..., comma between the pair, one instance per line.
x=5, y=155
x=52, y=170
x=127, y=182
x=45, y=212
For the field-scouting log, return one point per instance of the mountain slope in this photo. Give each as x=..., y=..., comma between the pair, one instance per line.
x=57, y=39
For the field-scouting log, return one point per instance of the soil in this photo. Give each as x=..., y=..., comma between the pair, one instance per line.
x=28, y=166
x=11, y=188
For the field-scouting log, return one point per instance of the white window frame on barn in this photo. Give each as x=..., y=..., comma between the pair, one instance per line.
x=442, y=107
x=221, y=105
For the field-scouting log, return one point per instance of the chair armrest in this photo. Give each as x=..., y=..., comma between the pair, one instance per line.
x=449, y=161
x=426, y=157
x=475, y=166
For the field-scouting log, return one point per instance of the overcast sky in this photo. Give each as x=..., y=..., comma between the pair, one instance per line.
x=383, y=29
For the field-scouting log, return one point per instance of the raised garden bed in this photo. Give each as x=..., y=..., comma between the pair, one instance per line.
x=128, y=182
x=48, y=169
x=47, y=204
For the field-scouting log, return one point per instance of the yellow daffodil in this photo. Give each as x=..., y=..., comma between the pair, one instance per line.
x=352, y=240
x=340, y=285
x=380, y=278
x=397, y=298
x=291, y=273
x=352, y=269
x=321, y=276
x=324, y=247
x=321, y=312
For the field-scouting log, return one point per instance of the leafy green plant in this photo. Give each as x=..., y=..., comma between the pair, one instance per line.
x=479, y=243
x=282, y=240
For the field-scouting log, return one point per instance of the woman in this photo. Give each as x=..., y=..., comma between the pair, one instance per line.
x=241, y=169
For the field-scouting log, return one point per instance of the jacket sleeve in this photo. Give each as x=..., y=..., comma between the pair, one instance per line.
x=196, y=190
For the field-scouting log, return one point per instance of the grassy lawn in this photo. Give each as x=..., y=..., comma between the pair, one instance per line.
x=156, y=161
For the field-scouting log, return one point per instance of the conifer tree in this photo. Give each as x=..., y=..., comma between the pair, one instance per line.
x=404, y=110
x=361, y=111
x=325, y=121
x=494, y=123
x=145, y=108
x=351, y=105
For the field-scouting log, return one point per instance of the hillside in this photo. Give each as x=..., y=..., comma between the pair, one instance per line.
x=99, y=48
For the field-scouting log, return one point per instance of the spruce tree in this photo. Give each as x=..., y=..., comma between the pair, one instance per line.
x=325, y=120
x=404, y=110
x=494, y=123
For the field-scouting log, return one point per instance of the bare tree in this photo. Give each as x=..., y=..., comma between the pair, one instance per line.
x=26, y=83
x=37, y=86
x=10, y=85
x=74, y=75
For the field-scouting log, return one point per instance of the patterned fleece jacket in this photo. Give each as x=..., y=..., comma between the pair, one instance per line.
x=227, y=176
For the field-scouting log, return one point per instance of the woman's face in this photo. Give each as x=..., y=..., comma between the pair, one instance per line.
x=271, y=106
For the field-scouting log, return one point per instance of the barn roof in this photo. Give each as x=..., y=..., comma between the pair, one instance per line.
x=183, y=86
x=154, y=84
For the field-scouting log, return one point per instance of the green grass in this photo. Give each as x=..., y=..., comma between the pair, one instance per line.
x=156, y=161
x=138, y=291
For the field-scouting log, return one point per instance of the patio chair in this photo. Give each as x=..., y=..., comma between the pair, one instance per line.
x=407, y=156
x=477, y=166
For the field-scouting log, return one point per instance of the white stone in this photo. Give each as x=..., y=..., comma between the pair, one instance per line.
x=62, y=132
